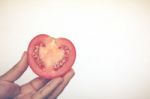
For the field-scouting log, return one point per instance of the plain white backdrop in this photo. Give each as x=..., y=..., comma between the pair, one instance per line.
x=112, y=38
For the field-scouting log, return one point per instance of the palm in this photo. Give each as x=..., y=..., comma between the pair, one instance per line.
x=8, y=89
x=38, y=88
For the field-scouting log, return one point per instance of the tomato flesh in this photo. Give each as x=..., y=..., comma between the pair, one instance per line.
x=50, y=57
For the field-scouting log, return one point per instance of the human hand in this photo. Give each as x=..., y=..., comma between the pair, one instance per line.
x=38, y=88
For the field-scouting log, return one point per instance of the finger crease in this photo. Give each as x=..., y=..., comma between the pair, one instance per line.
x=33, y=87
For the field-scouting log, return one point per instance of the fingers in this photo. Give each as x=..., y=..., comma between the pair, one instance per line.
x=61, y=87
x=48, y=88
x=38, y=83
x=14, y=73
x=31, y=87
x=34, y=85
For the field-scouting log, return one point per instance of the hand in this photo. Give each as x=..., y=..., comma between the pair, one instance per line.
x=38, y=88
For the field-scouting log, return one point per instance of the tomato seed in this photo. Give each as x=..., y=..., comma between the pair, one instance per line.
x=63, y=60
x=60, y=63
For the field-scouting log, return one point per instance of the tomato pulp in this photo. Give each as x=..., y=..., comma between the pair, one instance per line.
x=50, y=57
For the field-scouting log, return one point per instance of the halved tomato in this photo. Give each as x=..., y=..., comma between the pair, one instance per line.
x=50, y=57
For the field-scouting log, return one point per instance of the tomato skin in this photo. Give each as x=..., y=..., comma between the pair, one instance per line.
x=46, y=72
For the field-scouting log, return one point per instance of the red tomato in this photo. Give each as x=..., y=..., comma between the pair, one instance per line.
x=50, y=57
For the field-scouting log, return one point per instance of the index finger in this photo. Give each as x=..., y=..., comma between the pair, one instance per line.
x=15, y=72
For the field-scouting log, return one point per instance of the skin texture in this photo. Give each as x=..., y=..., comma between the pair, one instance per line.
x=38, y=88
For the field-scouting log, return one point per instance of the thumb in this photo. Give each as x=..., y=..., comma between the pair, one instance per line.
x=15, y=72
x=8, y=90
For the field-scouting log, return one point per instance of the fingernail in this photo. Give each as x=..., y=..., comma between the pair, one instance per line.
x=71, y=72
x=24, y=53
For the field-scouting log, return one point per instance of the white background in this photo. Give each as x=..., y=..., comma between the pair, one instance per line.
x=112, y=38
